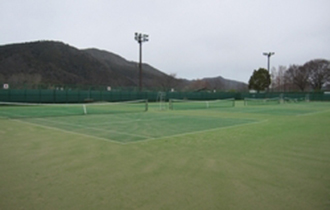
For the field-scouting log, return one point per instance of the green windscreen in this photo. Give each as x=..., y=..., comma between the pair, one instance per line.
x=26, y=110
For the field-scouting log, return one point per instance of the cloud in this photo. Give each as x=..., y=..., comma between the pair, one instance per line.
x=193, y=39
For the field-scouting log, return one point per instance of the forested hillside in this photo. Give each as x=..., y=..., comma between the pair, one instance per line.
x=49, y=63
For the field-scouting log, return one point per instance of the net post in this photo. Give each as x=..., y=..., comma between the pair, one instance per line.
x=146, y=108
x=170, y=105
x=84, y=108
x=307, y=98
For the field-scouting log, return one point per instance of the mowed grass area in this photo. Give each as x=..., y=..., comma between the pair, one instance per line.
x=246, y=157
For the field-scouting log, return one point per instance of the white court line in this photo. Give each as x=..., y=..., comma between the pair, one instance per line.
x=313, y=113
x=97, y=129
x=137, y=120
x=144, y=140
x=5, y=115
x=196, y=132
x=70, y=132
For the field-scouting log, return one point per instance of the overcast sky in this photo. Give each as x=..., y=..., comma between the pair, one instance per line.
x=191, y=38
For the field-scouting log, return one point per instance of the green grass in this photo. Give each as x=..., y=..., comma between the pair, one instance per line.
x=246, y=157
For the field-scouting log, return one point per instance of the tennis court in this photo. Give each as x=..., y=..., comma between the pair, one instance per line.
x=124, y=122
x=129, y=125
x=133, y=127
x=280, y=109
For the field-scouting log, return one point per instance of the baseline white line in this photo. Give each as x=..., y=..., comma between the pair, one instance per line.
x=66, y=131
x=196, y=132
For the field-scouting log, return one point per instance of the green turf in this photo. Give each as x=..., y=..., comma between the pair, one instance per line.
x=258, y=157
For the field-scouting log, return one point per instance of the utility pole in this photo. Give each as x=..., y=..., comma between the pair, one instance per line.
x=140, y=38
x=269, y=54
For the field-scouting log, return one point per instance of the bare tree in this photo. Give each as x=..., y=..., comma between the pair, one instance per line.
x=169, y=82
x=298, y=75
x=319, y=72
x=279, y=80
x=198, y=85
x=273, y=76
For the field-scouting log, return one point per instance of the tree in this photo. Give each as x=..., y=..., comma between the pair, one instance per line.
x=279, y=80
x=319, y=72
x=260, y=80
x=199, y=85
x=169, y=82
x=298, y=75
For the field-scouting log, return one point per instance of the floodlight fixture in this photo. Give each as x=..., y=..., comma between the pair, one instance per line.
x=268, y=53
x=140, y=38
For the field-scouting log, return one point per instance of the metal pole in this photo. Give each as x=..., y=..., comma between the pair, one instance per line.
x=140, y=67
x=268, y=56
x=268, y=61
x=140, y=38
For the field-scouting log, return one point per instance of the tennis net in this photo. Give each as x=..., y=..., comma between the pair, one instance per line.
x=29, y=110
x=294, y=100
x=262, y=101
x=177, y=104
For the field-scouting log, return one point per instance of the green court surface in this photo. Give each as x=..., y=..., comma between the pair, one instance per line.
x=242, y=157
x=126, y=128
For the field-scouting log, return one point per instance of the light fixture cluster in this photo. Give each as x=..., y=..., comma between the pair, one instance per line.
x=139, y=37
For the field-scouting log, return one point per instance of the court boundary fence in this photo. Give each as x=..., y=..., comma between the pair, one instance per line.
x=85, y=96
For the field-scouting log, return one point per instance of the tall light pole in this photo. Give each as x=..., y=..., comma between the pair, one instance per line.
x=269, y=54
x=140, y=38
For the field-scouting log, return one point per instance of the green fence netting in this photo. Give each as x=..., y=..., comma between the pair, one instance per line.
x=82, y=96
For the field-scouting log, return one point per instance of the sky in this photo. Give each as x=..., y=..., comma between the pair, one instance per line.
x=193, y=39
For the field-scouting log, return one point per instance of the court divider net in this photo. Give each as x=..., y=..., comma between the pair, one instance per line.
x=30, y=110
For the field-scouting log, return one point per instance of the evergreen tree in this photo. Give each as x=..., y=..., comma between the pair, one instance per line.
x=260, y=80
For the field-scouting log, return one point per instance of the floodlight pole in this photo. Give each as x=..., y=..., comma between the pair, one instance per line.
x=140, y=38
x=269, y=54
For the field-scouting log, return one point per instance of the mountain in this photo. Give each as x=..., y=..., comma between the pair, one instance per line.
x=49, y=62
x=152, y=78
x=52, y=63
x=222, y=83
